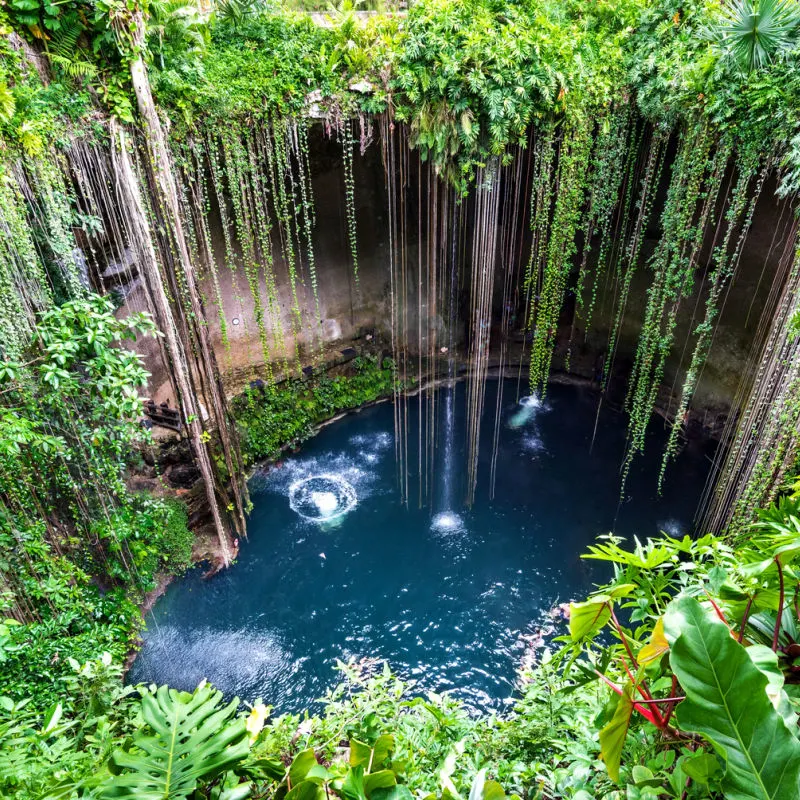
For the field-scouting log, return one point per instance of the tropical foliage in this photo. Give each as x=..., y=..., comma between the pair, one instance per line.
x=681, y=673
x=676, y=679
x=272, y=418
x=77, y=547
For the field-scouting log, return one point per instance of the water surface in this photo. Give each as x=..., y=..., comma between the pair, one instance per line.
x=444, y=593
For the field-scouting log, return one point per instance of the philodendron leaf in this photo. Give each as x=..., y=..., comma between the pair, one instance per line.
x=392, y=793
x=492, y=790
x=353, y=785
x=360, y=753
x=382, y=749
x=383, y=779
x=585, y=619
x=656, y=647
x=766, y=660
x=612, y=737
x=305, y=790
x=301, y=765
x=194, y=737
x=727, y=702
x=702, y=768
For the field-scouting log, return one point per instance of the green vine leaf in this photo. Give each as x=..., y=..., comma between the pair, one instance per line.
x=612, y=737
x=585, y=619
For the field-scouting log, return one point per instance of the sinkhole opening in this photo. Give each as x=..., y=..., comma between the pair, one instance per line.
x=452, y=596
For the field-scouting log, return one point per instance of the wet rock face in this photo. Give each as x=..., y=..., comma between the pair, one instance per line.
x=182, y=476
x=342, y=310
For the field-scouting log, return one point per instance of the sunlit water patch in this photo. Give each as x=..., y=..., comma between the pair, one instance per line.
x=336, y=566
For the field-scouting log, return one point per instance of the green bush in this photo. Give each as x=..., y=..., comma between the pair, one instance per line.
x=285, y=415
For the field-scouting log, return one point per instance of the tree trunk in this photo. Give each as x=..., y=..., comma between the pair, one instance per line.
x=174, y=351
x=189, y=322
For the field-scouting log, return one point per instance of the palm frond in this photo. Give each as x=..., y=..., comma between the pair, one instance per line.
x=752, y=33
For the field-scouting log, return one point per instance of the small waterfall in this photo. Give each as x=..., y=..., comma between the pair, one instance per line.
x=449, y=436
x=445, y=518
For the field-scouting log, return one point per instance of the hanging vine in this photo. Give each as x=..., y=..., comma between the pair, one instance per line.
x=569, y=189
x=348, y=146
x=609, y=165
x=696, y=180
x=738, y=217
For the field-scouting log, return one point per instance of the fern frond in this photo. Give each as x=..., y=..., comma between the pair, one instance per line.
x=74, y=69
x=64, y=42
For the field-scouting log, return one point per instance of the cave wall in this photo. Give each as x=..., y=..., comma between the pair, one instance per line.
x=349, y=312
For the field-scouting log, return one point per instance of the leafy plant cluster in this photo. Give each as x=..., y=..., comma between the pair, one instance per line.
x=677, y=679
x=77, y=547
x=278, y=416
x=697, y=639
x=470, y=78
x=376, y=739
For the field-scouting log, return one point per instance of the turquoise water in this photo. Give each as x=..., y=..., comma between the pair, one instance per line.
x=449, y=596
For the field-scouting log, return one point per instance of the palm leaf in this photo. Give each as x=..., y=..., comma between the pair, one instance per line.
x=195, y=739
x=753, y=32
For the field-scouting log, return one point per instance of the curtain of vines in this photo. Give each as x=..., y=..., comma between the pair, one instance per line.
x=258, y=180
x=69, y=409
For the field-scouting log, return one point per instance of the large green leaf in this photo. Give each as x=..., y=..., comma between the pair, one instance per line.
x=393, y=793
x=195, y=738
x=766, y=660
x=305, y=790
x=727, y=702
x=301, y=766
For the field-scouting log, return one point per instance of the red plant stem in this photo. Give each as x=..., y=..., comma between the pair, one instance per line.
x=717, y=609
x=740, y=637
x=643, y=710
x=641, y=687
x=780, y=607
x=672, y=691
x=622, y=637
x=663, y=700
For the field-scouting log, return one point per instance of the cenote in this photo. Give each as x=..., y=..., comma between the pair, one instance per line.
x=337, y=567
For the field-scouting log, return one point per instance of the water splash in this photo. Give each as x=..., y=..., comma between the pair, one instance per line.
x=672, y=527
x=322, y=498
x=528, y=408
x=447, y=522
x=531, y=443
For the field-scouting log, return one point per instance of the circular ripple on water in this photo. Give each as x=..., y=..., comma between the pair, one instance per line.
x=322, y=497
